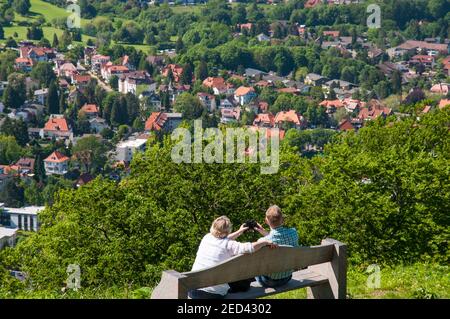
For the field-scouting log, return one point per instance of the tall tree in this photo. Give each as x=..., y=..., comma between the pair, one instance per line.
x=21, y=6
x=202, y=71
x=15, y=92
x=52, y=99
x=55, y=42
x=43, y=72
x=62, y=103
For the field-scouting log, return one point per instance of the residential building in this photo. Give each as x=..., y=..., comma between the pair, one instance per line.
x=244, y=94
x=8, y=237
x=25, y=165
x=67, y=70
x=346, y=125
x=24, y=218
x=37, y=54
x=289, y=118
x=126, y=149
x=57, y=127
x=90, y=110
x=84, y=179
x=131, y=81
x=40, y=96
x=97, y=124
x=108, y=70
x=373, y=110
x=207, y=100
x=176, y=71
x=23, y=64
x=162, y=121
x=440, y=88
x=262, y=37
x=97, y=61
x=56, y=163
x=414, y=47
x=230, y=115
x=315, y=79
x=264, y=120
x=81, y=80
x=218, y=85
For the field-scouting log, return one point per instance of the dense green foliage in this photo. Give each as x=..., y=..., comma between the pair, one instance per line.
x=384, y=191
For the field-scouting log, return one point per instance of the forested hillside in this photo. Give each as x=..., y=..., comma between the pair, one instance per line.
x=384, y=191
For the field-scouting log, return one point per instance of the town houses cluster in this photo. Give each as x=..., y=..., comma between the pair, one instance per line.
x=231, y=97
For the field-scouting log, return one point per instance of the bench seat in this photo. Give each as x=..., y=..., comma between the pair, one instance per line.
x=300, y=279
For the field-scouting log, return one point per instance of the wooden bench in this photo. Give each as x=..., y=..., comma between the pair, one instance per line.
x=324, y=277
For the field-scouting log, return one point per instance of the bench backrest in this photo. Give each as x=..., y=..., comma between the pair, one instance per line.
x=328, y=259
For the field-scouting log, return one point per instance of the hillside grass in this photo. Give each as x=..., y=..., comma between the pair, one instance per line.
x=400, y=282
x=50, y=12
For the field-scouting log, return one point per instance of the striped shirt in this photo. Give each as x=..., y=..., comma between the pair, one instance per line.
x=213, y=251
x=282, y=236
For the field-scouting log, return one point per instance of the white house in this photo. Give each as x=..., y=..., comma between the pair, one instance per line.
x=126, y=149
x=40, y=96
x=97, y=124
x=7, y=237
x=57, y=163
x=24, y=218
x=244, y=94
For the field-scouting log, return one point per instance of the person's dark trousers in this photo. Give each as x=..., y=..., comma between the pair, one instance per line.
x=201, y=294
x=268, y=282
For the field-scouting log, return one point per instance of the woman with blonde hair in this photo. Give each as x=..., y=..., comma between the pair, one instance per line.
x=217, y=246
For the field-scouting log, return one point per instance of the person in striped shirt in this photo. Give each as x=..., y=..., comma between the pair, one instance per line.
x=279, y=235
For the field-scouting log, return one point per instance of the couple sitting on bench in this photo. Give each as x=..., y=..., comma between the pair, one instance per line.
x=220, y=245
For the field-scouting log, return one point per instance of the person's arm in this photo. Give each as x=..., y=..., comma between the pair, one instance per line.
x=237, y=233
x=261, y=230
x=257, y=245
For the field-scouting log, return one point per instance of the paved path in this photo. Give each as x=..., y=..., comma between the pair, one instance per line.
x=105, y=86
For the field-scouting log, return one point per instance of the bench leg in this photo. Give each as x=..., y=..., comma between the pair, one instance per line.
x=323, y=291
x=335, y=271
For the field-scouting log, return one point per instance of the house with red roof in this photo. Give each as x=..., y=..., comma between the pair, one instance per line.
x=90, y=110
x=426, y=60
x=446, y=65
x=373, y=110
x=57, y=127
x=37, y=54
x=333, y=34
x=264, y=120
x=332, y=105
x=218, y=85
x=176, y=71
x=162, y=121
x=346, y=125
x=25, y=165
x=440, y=88
x=81, y=81
x=290, y=117
x=245, y=26
x=244, y=94
x=108, y=70
x=230, y=115
x=67, y=70
x=23, y=64
x=56, y=164
x=97, y=61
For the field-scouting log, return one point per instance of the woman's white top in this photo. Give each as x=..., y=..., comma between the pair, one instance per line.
x=212, y=251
